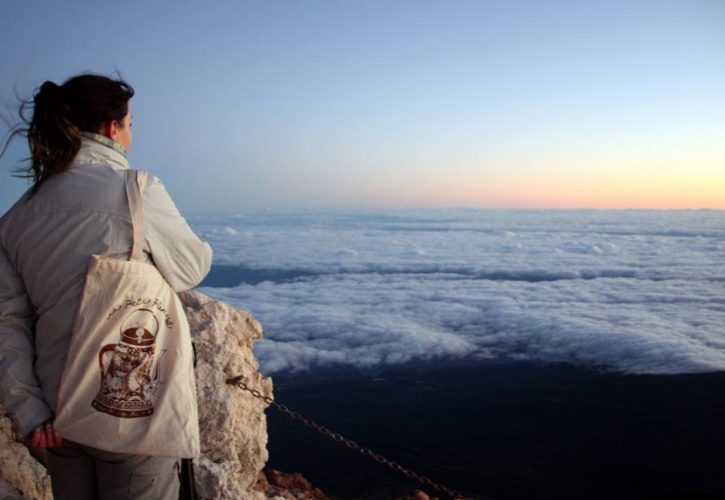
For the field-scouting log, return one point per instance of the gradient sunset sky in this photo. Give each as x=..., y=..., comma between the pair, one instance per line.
x=279, y=105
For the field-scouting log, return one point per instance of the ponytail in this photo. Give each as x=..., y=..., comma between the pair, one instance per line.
x=59, y=114
x=52, y=138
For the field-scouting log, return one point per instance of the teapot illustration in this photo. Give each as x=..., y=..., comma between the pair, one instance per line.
x=129, y=381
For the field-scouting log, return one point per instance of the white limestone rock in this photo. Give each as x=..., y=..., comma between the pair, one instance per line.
x=21, y=475
x=232, y=422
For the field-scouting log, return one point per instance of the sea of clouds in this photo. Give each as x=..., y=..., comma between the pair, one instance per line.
x=630, y=291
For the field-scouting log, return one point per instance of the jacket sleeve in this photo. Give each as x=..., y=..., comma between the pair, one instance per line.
x=19, y=388
x=178, y=253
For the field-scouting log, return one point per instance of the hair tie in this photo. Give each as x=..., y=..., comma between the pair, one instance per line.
x=50, y=103
x=49, y=92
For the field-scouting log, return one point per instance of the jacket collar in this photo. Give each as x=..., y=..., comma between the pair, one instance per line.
x=93, y=151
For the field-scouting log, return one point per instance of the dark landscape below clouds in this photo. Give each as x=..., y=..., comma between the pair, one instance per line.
x=509, y=431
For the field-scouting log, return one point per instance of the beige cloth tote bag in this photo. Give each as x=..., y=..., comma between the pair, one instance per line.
x=128, y=384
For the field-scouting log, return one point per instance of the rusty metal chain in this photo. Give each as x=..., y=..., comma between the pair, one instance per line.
x=239, y=382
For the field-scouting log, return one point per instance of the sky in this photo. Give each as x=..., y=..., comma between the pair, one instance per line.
x=281, y=105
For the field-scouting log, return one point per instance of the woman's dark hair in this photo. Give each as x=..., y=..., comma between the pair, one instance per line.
x=59, y=114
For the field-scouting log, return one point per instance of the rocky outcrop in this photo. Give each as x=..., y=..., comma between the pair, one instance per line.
x=232, y=422
x=21, y=475
x=286, y=486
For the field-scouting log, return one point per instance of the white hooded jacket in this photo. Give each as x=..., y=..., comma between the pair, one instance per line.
x=46, y=241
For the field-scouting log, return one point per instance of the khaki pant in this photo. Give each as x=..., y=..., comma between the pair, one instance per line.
x=82, y=473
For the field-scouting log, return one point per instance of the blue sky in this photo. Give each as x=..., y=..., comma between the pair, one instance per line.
x=248, y=106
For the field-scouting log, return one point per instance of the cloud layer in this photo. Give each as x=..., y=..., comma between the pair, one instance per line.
x=640, y=292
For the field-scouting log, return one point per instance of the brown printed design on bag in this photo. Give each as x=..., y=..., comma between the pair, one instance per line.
x=129, y=379
x=146, y=302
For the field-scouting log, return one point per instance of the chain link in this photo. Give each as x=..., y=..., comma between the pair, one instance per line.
x=239, y=382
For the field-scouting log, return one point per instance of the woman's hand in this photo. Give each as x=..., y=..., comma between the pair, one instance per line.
x=44, y=436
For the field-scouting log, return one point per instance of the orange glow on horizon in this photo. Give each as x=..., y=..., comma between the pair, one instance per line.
x=563, y=188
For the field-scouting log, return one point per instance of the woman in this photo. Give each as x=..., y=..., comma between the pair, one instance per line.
x=78, y=137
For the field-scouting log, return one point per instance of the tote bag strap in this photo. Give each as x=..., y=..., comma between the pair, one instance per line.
x=135, y=182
